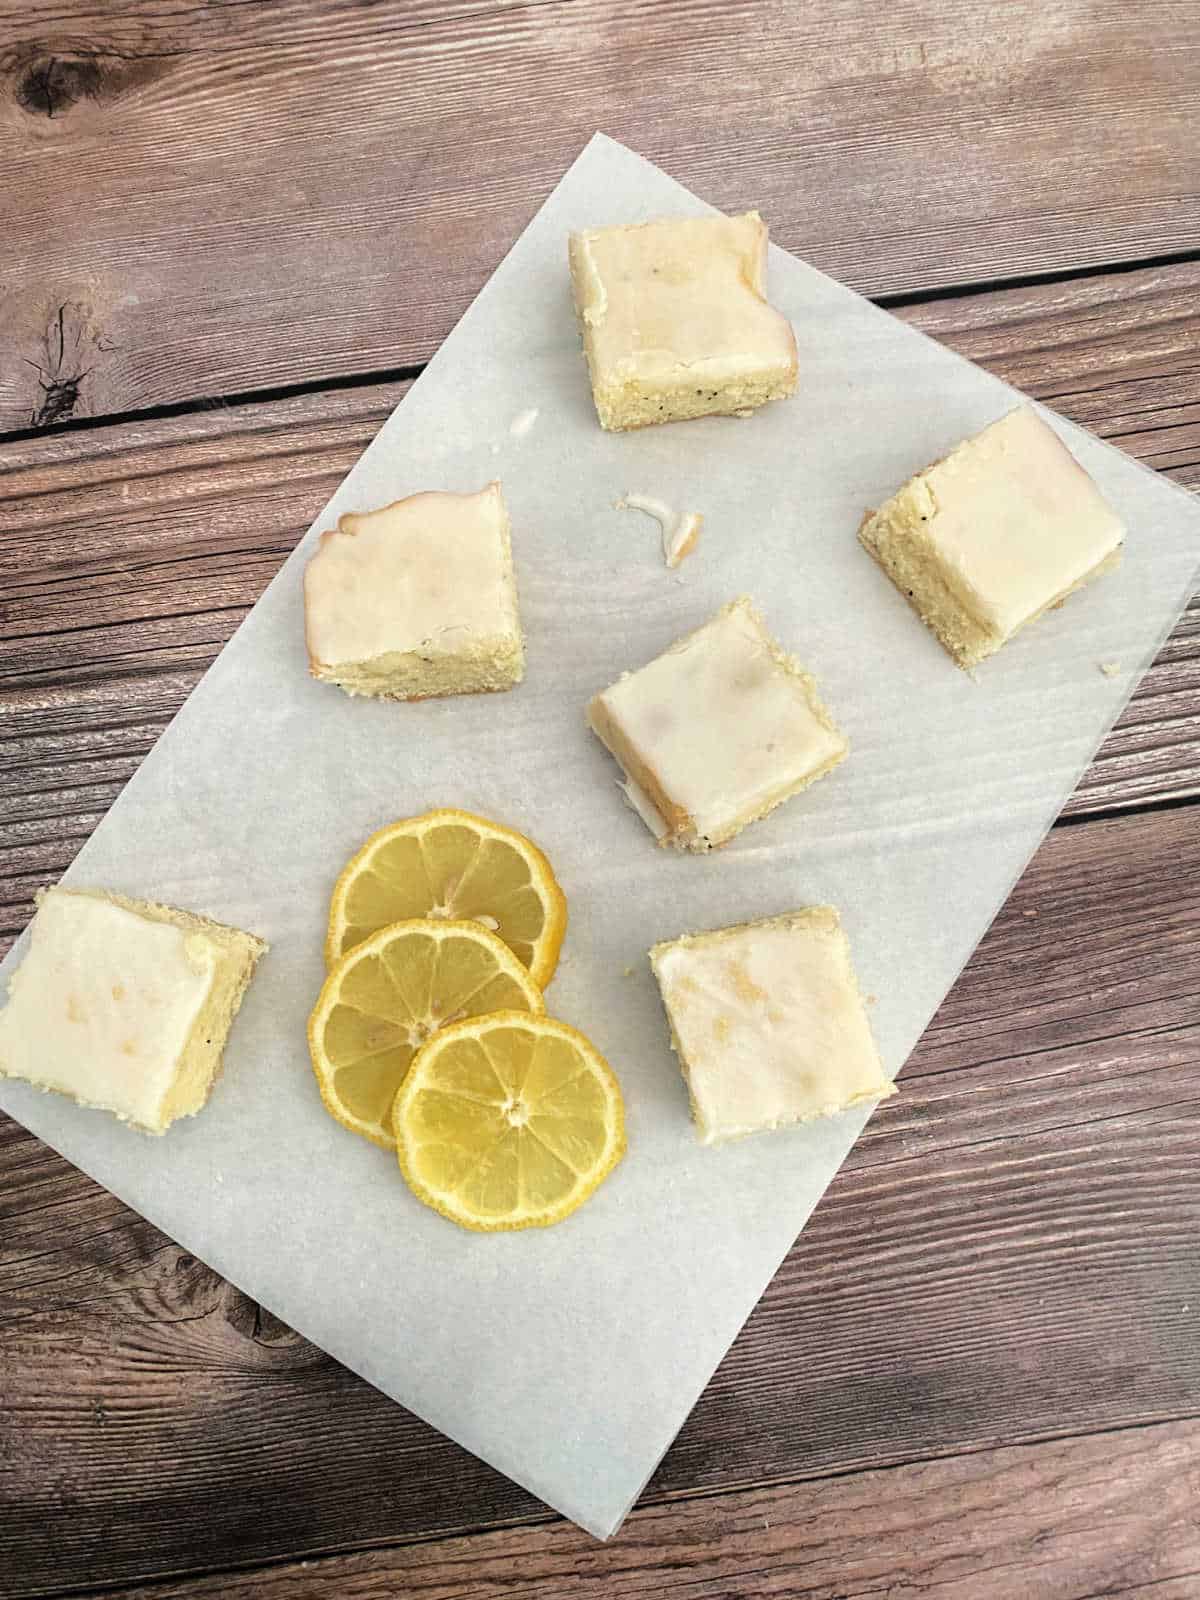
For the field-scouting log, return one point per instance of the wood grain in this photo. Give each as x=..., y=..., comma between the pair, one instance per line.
x=1008, y=1255
x=1074, y=1519
x=1119, y=354
x=214, y=198
x=128, y=555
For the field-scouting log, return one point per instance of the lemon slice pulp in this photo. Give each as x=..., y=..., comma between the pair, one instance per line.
x=453, y=865
x=389, y=995
x=508, y=1121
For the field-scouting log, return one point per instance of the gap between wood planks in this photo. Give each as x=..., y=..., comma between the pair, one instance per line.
x=625, y=1555
x=1057, y=140
x=186, y=408
x=363, y=380
x=715, y=1496
x=1135, y=808
x=1113, y=349
x=946, y=1224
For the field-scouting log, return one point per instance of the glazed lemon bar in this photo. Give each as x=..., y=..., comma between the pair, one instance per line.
x=675, y=320
x=1005, y=527
x=768, y=1023
x=417, y=599
x=124, y=1005
x=717, y=731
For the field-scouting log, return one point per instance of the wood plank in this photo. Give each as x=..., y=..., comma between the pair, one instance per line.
x=1070, y=1519
x=1008, y=1255
x=210, y=199
x=1120, y=355
x=128, y=555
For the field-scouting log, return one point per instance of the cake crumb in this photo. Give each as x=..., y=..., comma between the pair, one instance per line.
x=628, y=972
x=1029, y=913
x=1110, y=669
x=521, y=425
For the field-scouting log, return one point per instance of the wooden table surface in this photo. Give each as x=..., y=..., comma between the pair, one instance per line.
x=230, y=233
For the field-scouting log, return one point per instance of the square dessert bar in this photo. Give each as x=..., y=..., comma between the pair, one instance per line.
x=124, y=1005
x=717, y=731
x=675, y=321
x=1005, y=527
x=417, y=599
x=768, y=1023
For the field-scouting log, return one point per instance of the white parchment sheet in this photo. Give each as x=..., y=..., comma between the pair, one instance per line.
x=568, y=1358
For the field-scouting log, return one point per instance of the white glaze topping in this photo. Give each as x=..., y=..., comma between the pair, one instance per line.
x=102, y=1005
x=522, y=423
x=638, y=800
x=770, y=1024
x=1014, y=518
x=657, y=297
x=680, y=530
x=425, y=574
x=721, y=722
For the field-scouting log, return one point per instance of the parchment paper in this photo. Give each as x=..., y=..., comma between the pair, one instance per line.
x=569, y=1358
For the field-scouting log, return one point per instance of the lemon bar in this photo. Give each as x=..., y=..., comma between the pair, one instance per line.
x=768, y=1023
x=675, y=320
x=717, y=731
x=1005, y=527
x=417, y=599
x=124, y=1005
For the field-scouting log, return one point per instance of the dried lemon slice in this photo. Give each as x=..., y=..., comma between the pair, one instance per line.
x=459, y=866
x=389, y=995
x=508, y=1121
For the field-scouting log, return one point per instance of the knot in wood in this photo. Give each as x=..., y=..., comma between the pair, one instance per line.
x=51, y=85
